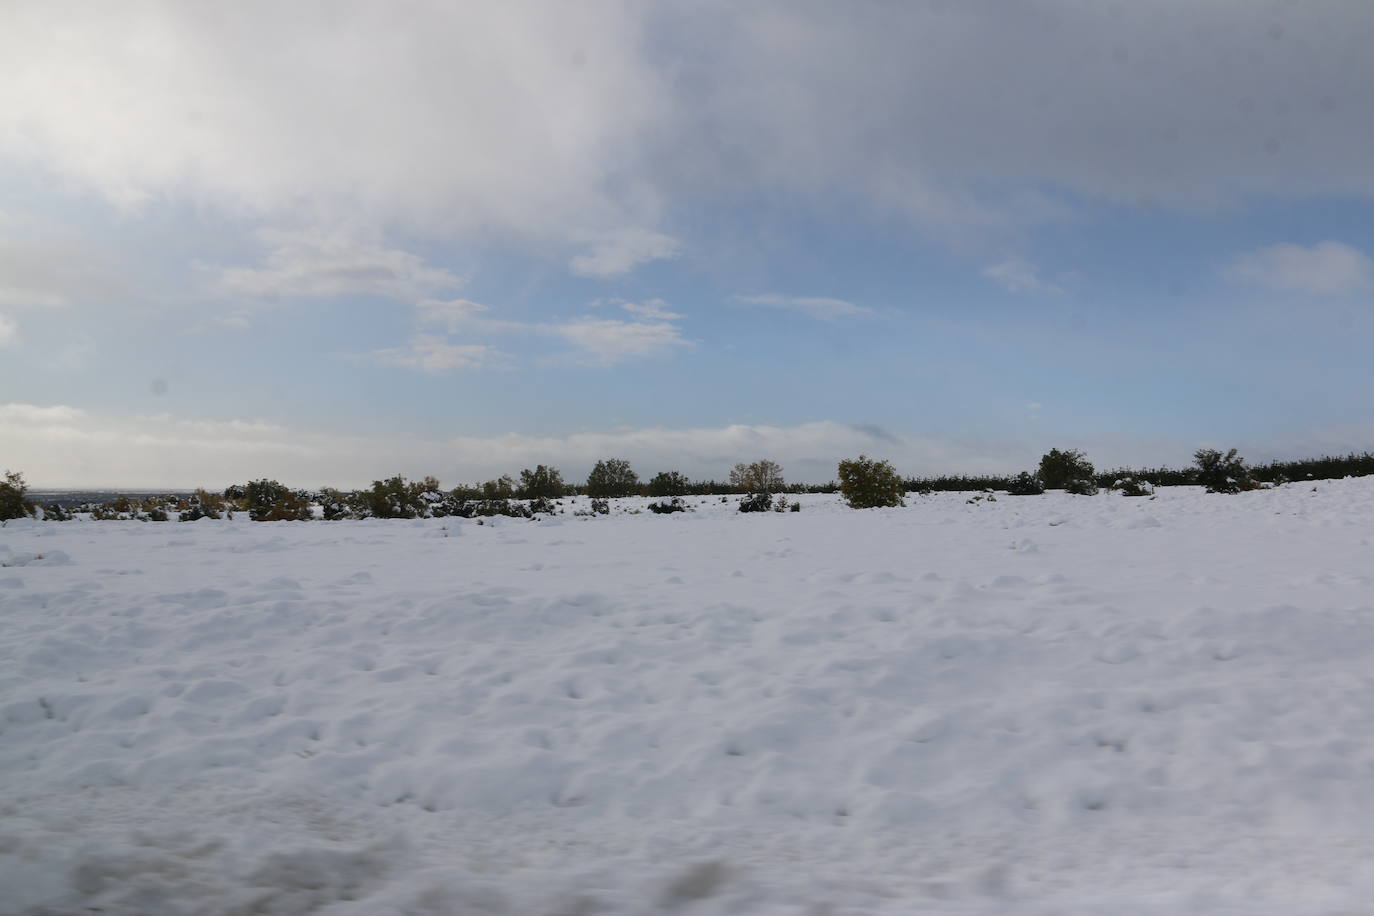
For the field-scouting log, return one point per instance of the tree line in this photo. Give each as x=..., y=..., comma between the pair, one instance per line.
x=863, y=482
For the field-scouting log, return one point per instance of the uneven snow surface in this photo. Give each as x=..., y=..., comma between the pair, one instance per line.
x=1044, y=705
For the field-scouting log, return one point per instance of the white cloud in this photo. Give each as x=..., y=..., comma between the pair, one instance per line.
x=429, y=353
x=820, y=307
x=600, y=341
x=1017, y=275
x=1328, y=268
x=453, y=313
x=608, y=341
x=33, y=414
x=9, y=331
x=655, y=309
x=511, y=118
x=623, y=251
x=323, y=264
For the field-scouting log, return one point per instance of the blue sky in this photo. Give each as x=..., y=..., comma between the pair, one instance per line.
x=335, y=243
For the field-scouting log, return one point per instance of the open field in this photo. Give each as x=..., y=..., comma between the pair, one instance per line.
x=1041, y=705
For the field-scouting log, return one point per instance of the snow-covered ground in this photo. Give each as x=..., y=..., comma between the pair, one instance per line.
x=1047, y=705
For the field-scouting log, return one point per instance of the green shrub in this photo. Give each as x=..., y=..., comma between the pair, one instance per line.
x=53, y=512
x=1081, y=486
x=14, y=502
x=669, y=483
x=270, y=501
x=542, y=482
x=1222, y=473
x=612, y=477
x=502, y=487
x=1025, y=484
x=867, y=483
x=396, y=497
x=210, y=504
x=1059, y=469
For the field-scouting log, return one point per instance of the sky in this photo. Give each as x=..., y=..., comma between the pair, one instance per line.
x=332, y=242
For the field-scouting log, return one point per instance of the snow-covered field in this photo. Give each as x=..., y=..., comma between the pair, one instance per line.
x=1048, y=705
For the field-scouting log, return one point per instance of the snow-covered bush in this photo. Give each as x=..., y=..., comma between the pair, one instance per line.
x=203, y=504
x=867, y=483
x=668, y=506
x=291, y=506
x=541, y=505
x=1025, y=484
x=1132, y=486
x=756, y=502
x=336, y=504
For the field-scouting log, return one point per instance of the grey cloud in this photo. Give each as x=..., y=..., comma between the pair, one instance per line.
x=48, y=272
x=955, y=111
x=873, y=430
x=585, y=125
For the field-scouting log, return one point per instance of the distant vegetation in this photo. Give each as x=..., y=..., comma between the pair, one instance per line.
x=1275, y=472
x=864, y=482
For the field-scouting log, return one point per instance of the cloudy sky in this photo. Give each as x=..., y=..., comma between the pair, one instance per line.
x=327, y=242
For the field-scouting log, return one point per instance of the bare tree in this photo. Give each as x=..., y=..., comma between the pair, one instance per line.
x=760, y=477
